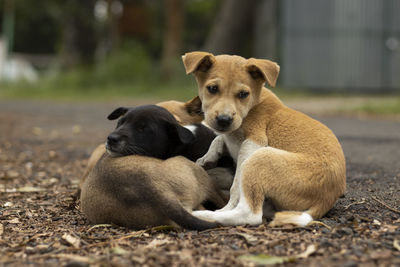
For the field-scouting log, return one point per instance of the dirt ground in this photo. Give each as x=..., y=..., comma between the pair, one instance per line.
x=44, y=149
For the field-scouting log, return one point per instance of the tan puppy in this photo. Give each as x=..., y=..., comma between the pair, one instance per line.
x=282, y=155
x=140, y=192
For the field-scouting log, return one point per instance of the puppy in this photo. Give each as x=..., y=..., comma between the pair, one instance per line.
x=188, y=114
x=141, y=182
x=282, y=155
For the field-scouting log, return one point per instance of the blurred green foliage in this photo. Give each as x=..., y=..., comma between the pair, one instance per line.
x=127, y=72
x=386, y=106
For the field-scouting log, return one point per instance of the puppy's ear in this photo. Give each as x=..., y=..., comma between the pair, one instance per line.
x=193, y=107
x=263, y=69
x=198, y=61
x=180, y=134
x=117, y=113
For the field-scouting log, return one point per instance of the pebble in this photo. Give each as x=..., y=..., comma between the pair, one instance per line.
x=325, y=230
x=345, y=231
x=350, y=264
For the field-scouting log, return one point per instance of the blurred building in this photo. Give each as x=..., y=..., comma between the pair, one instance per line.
x=347, y=45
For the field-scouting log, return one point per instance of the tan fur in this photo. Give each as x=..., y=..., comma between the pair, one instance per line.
x=94, y=157
x=118, y=189
x=184, y=112
x=300, y=167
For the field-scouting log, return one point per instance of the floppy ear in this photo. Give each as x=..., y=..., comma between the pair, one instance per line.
x=198, y=61
x=263, y=69
x=117, y=113
x=193, y=107
x=180, y=133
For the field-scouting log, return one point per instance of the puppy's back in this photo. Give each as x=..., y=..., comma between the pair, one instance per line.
x=140, y=192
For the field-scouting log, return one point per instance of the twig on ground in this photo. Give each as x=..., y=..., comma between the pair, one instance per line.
x=385, y=205
x=320, y=223
x=354, y=203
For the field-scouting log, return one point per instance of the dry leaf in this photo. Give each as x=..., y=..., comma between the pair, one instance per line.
x=99, y=225
x=25, y=189
x=37, y=131
x=249, y=238
x=157, y=243
x=8, y=204
x=15, y=220
x=264, y=259
x=118, y=250
x=310, y=250
x=75, y=242
x=376, y=222
x=1, y=229
x=396, y=244
x=11, y=174
x=76, y=129
x=75, y=258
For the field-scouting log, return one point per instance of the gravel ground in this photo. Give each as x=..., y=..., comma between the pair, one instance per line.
x=44, y=149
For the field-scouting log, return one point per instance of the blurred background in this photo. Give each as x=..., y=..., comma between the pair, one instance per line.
x=118, y=48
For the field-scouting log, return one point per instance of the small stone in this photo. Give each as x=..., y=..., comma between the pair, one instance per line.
x=350, y=264
x=12, y=174
x=345, y=231
x=376, y=222
x=52, y=154
x=325, y=230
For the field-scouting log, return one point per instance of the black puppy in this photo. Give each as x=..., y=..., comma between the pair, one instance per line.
x=153, y=131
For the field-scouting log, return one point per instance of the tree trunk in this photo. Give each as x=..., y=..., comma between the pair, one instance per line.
x=266, y=30
x=232, y=30
x=172, y=37
x=79, y=36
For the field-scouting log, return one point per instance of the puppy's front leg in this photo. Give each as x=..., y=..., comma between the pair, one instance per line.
x=215, y=151
x=247, y=148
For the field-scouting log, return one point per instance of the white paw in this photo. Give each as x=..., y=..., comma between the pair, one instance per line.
x=207, y=161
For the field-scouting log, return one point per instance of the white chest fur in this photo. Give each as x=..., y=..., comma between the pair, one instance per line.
x=233, y=141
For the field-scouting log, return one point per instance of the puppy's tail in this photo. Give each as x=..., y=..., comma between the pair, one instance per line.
x=173, y=209
x=297, y=218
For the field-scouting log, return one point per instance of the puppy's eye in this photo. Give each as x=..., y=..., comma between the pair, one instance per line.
x=212, y=89
x=140, y=128
x=243, y=94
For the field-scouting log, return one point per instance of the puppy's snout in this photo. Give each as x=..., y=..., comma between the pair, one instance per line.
x=113, y=139
x=224, y=121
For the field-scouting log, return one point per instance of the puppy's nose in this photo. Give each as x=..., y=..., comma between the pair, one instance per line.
x=113, y=139
x=224, y=121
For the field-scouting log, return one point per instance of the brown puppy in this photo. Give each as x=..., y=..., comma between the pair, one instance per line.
x=142, y=191
x=282, y=155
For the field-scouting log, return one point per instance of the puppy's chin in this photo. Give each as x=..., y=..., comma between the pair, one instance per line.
x=223, y=130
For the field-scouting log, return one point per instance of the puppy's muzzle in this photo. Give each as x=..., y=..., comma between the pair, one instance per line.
x=113, y=142
x=224, y=121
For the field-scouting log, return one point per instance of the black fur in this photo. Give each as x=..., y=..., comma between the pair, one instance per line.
x=147, y=130
x=153, y=131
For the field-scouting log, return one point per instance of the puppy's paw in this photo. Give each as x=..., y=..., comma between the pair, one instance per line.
x=204, y=215
x=207, y=162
